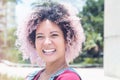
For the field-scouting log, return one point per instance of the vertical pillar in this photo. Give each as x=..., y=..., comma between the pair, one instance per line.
x=112, y=38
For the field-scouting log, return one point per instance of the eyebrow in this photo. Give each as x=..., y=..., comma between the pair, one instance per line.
x=54, y=32
x=50, y=33
x=39, y=34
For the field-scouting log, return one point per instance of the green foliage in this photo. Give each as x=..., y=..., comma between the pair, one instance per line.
x=11, y=36
x=10, y=52
x=92, y=21
x=89, y=60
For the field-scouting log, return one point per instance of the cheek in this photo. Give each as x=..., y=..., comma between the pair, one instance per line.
x=62, y=45
x=37, y=45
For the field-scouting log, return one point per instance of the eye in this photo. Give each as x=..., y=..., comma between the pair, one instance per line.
x=39, y=37
x=54, y=35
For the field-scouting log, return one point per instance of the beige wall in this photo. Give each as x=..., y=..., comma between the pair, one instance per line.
x=112, y=38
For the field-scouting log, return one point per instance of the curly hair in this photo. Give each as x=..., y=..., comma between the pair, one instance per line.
x=61, y=15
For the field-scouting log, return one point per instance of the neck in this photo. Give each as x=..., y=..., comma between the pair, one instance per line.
x=52, y=68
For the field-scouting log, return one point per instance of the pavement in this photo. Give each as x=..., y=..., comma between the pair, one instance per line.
x=85, y=73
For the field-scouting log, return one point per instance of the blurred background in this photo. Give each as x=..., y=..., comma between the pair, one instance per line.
x=12, y=13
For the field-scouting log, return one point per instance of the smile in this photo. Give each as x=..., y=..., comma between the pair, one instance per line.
x=50, y=51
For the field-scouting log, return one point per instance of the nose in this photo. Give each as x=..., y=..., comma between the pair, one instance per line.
x=47, y=41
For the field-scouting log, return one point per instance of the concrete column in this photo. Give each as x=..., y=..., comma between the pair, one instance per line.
x=112, y=38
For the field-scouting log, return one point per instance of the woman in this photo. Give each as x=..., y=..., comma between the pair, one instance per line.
x=52, y=36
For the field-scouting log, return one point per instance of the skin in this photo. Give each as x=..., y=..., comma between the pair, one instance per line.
x=50, y=45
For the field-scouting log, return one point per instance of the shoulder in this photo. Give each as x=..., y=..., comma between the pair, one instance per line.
x=31, y=75
x=68, y=75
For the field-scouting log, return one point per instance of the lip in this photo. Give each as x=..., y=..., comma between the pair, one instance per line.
x=48, y=51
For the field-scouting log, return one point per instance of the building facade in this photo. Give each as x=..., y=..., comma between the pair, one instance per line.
x=7, y=18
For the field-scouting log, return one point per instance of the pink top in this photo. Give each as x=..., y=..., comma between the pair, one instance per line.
x=66, y=74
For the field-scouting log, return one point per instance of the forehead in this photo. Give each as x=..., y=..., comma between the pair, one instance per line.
x=47, y=26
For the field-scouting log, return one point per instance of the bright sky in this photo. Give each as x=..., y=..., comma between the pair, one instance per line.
x=22, y=9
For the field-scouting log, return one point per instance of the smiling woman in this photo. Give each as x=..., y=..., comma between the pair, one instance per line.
x=51, y=36
x=50, y=42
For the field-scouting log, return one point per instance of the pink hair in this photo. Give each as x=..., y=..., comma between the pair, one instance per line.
x=72, y=51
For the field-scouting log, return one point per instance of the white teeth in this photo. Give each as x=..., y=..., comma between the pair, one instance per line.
x=49, y=51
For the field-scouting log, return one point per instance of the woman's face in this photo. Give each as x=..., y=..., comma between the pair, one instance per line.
x=50, y=42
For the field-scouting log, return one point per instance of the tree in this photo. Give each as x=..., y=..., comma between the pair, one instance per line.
x=92, y=21
x=6, y=35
